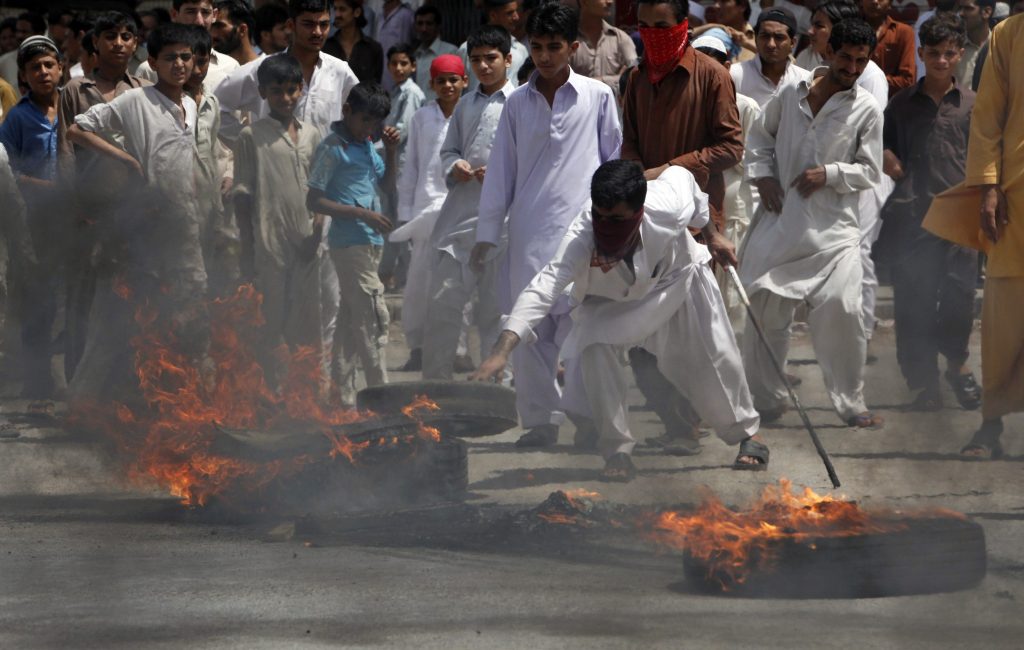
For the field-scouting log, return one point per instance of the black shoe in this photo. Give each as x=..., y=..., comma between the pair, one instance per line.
x=415, y=362
x=966, y=388
x=542, y=436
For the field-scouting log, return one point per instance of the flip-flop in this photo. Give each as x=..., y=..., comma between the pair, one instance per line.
x=754, y=449
x=866, y=420
x=618, y=468
x=985, y=439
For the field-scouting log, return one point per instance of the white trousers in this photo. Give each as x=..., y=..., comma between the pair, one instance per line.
x=416, y=296
x=837, y=333
x=871, y=226
x=735, y=231
x=452, y=285
x=697, y=352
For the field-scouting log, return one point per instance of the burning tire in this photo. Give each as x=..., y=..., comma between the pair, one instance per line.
x=443, y=471
x=466, y=409
x=926, y=556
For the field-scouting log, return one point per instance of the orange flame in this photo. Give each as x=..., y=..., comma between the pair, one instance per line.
x=419, y=404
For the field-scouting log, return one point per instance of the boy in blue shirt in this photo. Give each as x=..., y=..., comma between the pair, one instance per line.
x=342, y=184
x=29, y=133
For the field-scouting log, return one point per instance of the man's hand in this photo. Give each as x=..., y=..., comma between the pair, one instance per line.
x=390, y=137
x=771, y=193
x=226, y=184
x=378, y=222
x=493, y=365
x=479, y=254
x=134, y=165
x=479, y=173
x=311, y=244
x=994, y=216
x=462, y=172
x=722, y=250
x=891, y=165
x=655, y=172
x=810, y=181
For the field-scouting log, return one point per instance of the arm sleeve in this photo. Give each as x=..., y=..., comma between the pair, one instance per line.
x=500, y=180
x=534, y=303
x=101, y=117
x=988, y=121
x=723, y=120
x=408, y=178
x=325, y=160
x=759, y=158
x=10, y=138
x=630, y=135
x=451, y=148
x=245, y=164
x=66, y=110
x=609, y=129
x=237, y=93
x=866, y=170
x=891, y=131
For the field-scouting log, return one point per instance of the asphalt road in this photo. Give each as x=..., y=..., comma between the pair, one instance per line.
x=87, y=561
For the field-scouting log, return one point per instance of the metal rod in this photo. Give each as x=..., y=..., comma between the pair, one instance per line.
x=778, y=368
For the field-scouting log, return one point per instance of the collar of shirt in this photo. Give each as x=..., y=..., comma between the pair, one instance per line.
x=89, y=79
x=954, y=95
x=574, y=81
x=345, y=135
x=433, y=48
x=804, y=87
x=756, y=62
x=186, y=122
x=505, y=90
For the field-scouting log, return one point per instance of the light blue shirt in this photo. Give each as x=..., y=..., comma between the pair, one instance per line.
x=31, y=140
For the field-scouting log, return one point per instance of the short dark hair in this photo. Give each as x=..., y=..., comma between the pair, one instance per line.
x=431, y=10
x=852, y=31
x=279, y=69
x=556, y=20
x=159, y=13
x=29, y=52
x=489, y=36
x=112, y=20
x=991, y=4
x=361, y=20
x=746, y=9
x=239, y=12
x=296, y=7
x=681, y=8
x=55, y=14
x=36, y=20
x=407, y=49
x=269, y=16
x=80, y=25
x=168, y=34
x=201, y=41
x=839, y=10
x=89, y=43
x=618, y=181
x=178, y=3
x=940, y=28
x=721, y=57
x=371, y=99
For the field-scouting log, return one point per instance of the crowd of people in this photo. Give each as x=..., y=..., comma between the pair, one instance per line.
x=572, y=192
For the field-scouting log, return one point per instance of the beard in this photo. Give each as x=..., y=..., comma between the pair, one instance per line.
x=231, y=43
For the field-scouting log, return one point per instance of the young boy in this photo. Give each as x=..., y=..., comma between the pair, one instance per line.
x=155, y=245
x=421, y=192
x=84, y=173
x=925, y=140
x=280, y=243
x=464, y=156
x=406, y=99
x=555, y=130
x=30, y=136
x=345, y=172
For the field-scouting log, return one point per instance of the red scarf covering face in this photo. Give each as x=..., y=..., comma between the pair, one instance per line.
x=663, y=47
x=614, y=239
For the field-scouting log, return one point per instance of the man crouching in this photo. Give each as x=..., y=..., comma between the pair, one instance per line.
x=639, y=279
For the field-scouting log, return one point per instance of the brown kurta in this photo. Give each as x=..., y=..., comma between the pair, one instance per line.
x=894, y=54
x=689, y=119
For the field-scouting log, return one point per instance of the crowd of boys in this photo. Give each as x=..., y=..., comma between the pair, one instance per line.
x=541, y=184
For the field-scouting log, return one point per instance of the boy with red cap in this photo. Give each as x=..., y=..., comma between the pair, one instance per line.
x=422, y=190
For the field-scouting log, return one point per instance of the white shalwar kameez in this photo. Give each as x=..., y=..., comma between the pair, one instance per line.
x=421, y=190
x=752, y=82
x=470, y=137
x=810, y=252
x=535, y=179
x=668, y=303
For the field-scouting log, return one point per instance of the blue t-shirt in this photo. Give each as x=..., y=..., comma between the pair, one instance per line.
x=30, y=140
x=347, y=172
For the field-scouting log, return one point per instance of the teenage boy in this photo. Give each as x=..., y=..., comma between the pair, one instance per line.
x=421, y=193
x=559, y=126
x=429, y=45
x=203, y=14
x=280, y=241
x=406, y=99
x=342, y=183
x=464, y=156
x=155, y=240
x=83, y=172
x=815, y=147
x=504, y=14
x=30, y=136
x=925, y=138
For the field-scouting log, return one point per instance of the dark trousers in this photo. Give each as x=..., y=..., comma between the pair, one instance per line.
x=933, y=290
x=674, y=410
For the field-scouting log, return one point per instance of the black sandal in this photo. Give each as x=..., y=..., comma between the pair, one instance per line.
x=966, y=389
x=618, y=468
x=754, y=449
x=986, y=440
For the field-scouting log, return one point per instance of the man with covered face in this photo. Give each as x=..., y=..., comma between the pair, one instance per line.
x=639, y=279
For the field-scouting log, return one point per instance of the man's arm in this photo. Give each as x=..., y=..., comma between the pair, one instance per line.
x=723, y=121
x=630, y=133
x=238, y=94
x=759, y=158
x=609, y=131
x=498, y=189
x=866, y=170
x=321, y=170
x=892, y=164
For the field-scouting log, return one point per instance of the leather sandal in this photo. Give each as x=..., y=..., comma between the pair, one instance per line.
x=754, y=449
x=985, y=440
x=618, y=468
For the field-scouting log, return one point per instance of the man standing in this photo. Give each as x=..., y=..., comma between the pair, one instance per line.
x=995, y=163
x=976, y=15
x=203, y=14
x=428, y=33
x=505, y=14
x=605, y=51
x=894, y=52
x=679, y=109
x=234, y=31
x=762, y=76
x=817, y=145
x=396, y=27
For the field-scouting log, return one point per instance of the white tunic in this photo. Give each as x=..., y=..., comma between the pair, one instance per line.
x=538, y=172
x=792, y=252
x=750, y=81
x=622, y=306
x=319, y=105
x=421, y=186
x=470, y=136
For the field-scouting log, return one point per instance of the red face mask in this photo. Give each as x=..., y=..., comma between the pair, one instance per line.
x=662, y=48
x=615, y=238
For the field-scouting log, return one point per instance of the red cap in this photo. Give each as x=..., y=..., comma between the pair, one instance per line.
x=447, y=64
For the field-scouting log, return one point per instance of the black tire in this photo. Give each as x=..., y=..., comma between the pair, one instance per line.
x=929, y=556
x=467, y=409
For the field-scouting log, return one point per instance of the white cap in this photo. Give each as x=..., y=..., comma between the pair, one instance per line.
x=712, y=43
x=1001, y=11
